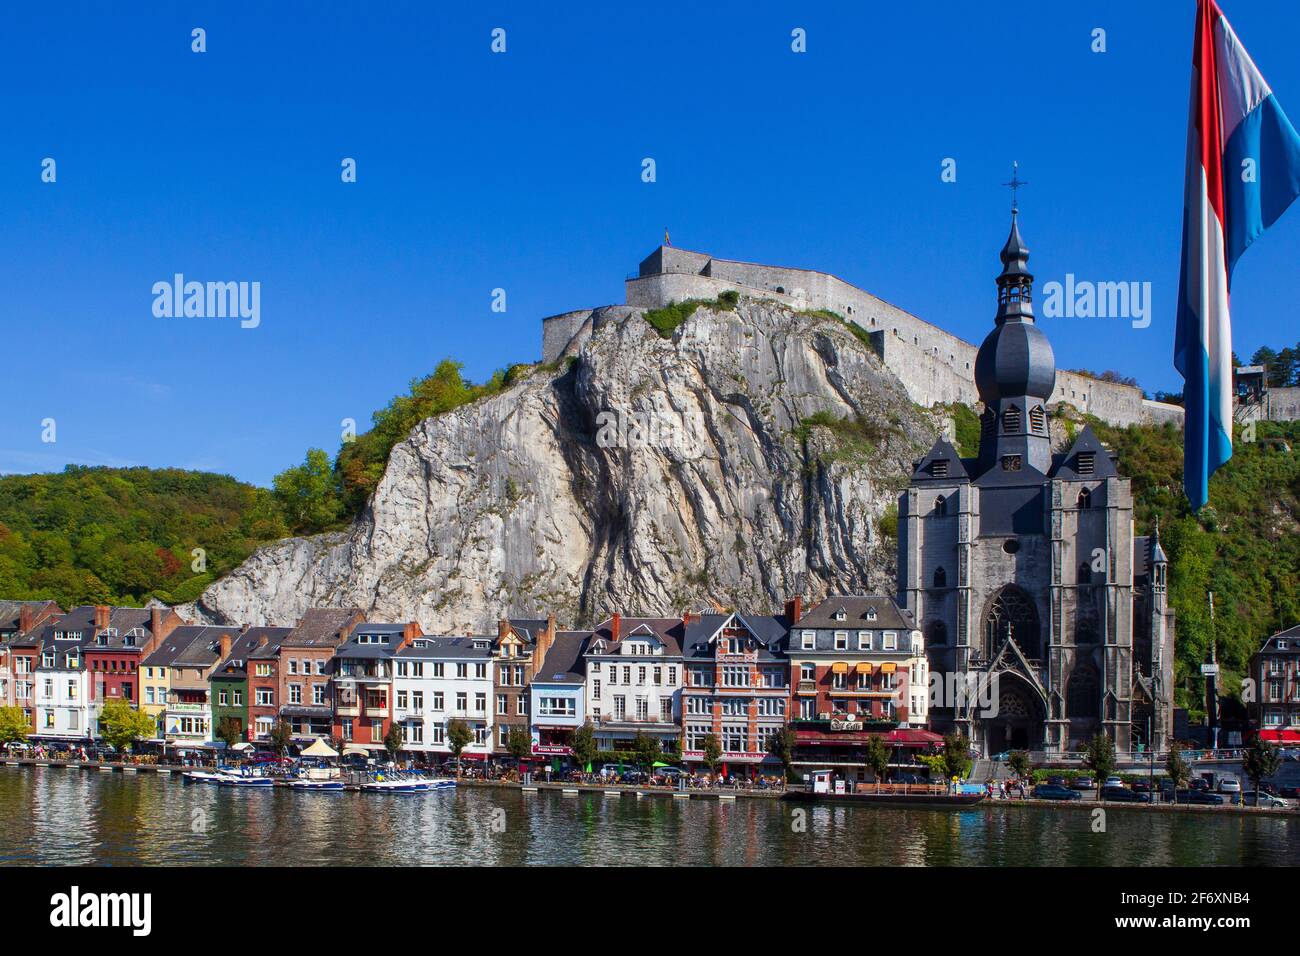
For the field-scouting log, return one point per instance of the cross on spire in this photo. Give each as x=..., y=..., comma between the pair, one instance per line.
x=1015, y=183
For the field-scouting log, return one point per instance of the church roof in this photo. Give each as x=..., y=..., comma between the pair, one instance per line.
x=941, y=463
x=1073, y=465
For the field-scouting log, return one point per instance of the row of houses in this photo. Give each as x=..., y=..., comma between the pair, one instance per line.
x=851, y=666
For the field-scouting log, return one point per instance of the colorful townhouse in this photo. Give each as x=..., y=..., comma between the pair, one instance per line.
x=86, y=656
x=155, y=675
x=557, y=694
x=303, y=669
x=1276, y=669
x=634, y=680
x=265, y=693
x=228, y=690
x=187, y=713
x=737, y=687
x=438, y=680
x=20, y=622
x=519, y=647
x=362, y=676
x=857, y=669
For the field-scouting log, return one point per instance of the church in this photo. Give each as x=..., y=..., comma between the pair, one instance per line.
x=1038, y=603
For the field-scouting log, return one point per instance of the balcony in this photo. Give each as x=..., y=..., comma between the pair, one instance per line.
x=649, y=720
x=806, y=687
x=348, y=710
x=375, y=711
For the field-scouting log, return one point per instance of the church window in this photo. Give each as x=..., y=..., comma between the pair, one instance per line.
x=940, y=578
x=1037, y=419
x=941, y=503
x=1012, y=615
x=988, y=424
x=1011, y=546
x=1087, y=462
x=1085, y=499
x=1011, y=419
x=1010, y=462
x=1082, y=697
x=1085, y=573
x=936, y=634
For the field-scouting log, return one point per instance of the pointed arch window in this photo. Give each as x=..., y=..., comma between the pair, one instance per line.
x=1082, y=696
x=1085, y=499
x=940, y=506
x=1085, y=573
x=1012, y=615
x=1011, y=419
x=936, y=634
x=940, y=578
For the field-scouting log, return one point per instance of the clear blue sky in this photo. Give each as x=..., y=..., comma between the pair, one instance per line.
x=522, y=171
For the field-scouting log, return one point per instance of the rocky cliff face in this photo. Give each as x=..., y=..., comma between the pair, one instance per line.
x=643, y=474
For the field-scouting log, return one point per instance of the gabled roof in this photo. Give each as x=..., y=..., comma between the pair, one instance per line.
x=563, y=662
x=241, y=651
x=930, y=469
x=857, y=610
x=171, y=647
x=769, y=629
x=1292, y=638
x=274, y=639
x=121, y=622
x=667, y=630
x=322, y=627
x=527, y=628
x=1066, y=467
x=11, y=613
x=204, y=648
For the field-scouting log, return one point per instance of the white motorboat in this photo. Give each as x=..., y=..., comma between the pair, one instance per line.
x=199, y=776
x=396, y=785
x=230, y=778
x=303, y=783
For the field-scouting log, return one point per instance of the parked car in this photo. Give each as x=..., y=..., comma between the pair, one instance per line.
x=1122, y=794
x=1113, y=781
x=1199, y=796
x=1142, y=786
x=1257, y=798
x=1083, y=783
x=1229, y=785
x=1051, y=791
x=673, y=772
x=1291, y=792
x=1056, y=780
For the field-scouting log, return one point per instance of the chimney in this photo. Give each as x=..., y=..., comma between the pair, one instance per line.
x=794, y=610
x=616, y=627
x=544, y=641
x=24, y=619
x=503, y=629
x=686, y=619
x=155, y=621
x=225, y=646
x=409, y=631
x=103, y=614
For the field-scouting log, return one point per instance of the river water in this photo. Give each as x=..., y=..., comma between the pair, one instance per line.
x=69, y=816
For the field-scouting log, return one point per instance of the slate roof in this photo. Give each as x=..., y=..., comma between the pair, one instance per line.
x=204, y=647
x=321, y=626
x=941, y=451
x=668, y=630
x=235, y=667
x=770, y=629
x=889, y=616
x=563, y=662
x=170, y=648
x=527, y=628
x=1292, y=637
x=448, y=648
x=1065, y=467
x=11, y=612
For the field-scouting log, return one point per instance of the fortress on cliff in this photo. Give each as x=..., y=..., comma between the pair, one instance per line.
x=933, y=365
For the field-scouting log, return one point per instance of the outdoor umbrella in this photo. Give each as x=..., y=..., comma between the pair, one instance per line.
x=320, y=749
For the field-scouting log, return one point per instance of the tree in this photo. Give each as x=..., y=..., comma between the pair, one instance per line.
x=121, y=725
x=308, y=494
x=1019, y=764
x=1261, y=760
x=459, y=736
x=281, y=737
x=1177, y=769
x=393, y=740
x=712, y=752
x=230, y=730
x=14, y=725
x=584, y=746
x=956, y=754
x=1099, y=757
x=877, y=758
x=519, y=742
x=647, y=750
x=781, y=746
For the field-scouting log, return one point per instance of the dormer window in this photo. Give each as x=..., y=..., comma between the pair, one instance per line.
x=1087, y=463
x=939, y=469
x=841, y=615
x=871, y=614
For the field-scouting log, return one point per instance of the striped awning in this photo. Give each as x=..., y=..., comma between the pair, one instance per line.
x=839, y=667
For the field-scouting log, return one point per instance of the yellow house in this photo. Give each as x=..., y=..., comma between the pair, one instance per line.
x=155, y=673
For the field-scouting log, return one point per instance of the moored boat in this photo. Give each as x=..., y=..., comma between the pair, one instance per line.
x=316, y=785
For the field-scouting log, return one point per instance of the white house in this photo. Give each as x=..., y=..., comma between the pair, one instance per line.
x=440, y=679
x=634, y=673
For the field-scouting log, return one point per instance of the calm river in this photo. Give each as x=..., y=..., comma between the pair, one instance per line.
x=68, y=816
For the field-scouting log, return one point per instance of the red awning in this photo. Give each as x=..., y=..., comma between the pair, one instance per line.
x=894, y=738
x=1280, y=736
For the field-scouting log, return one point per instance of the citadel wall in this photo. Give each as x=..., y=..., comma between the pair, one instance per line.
x=933, y=365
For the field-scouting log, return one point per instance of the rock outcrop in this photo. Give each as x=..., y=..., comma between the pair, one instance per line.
x=753, y=456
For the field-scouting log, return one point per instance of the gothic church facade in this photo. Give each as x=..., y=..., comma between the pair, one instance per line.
x=1022, y=568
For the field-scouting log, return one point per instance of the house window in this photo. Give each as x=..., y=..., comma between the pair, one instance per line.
x=841, y=640
x=223, y=698
x=806, y=709
x=864, y=640
x=462, y=671
x=413, y=731
x=480, y=671
x=318, y=695
x=238, y=698
x=809, y=640
x=264, y=697
x=480, y=703
x=807, y=671
x=437, y=700
x=891, y=641
x=376, y=731
x=462, y=701
x=620, y=707
x=840, y=681
x=503, y=705
x=402, y=700
x=666, y=709
x=295, y=693
x=595, y=689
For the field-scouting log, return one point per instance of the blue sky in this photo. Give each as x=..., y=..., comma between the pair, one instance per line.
x=522, y=171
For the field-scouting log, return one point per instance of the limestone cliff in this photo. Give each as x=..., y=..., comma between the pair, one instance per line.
x=641, y=474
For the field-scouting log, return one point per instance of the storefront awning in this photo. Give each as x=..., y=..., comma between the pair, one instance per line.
x=863, y=668
x=1280, y=736
x=839, y=667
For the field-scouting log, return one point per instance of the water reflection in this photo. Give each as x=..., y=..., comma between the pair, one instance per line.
x=59, y=816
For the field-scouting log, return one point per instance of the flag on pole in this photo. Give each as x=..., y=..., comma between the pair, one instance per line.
x=1243, y=170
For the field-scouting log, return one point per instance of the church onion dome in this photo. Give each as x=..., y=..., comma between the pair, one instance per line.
x=1015, y=359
